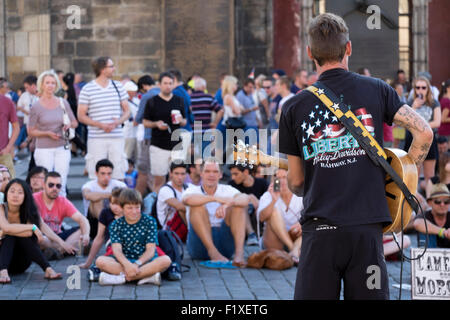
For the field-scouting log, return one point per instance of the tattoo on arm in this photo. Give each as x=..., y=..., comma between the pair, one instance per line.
x=410, y=120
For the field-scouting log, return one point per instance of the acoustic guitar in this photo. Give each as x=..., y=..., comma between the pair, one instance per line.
x=402, y=164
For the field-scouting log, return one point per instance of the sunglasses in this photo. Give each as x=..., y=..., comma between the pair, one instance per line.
x=57, y=185
x=266, y=88
x=423, y=88
x=441, y=201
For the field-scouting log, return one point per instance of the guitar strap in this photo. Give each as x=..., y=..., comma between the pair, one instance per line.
x=361, y=134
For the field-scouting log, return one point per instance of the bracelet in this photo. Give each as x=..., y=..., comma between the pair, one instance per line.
x=441, y=233
x=34, y=228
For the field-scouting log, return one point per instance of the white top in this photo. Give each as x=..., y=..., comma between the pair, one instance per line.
x=290, y=214
x=228, y=111
x=164, y=211
x=282, y=101
x=130, y=131
x=222, y=190
x=25, y=101
x=103, y=106
x=93, y=186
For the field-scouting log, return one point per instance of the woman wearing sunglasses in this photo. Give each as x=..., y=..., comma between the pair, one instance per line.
x=429, y=108
x=20, y=233
x=50, y=119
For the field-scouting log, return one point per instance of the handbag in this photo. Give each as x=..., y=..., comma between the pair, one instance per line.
x=69, y=134
x=235, y=123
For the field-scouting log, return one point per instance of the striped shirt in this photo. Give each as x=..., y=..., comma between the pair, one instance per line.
x=103, y=106
x=202, y=106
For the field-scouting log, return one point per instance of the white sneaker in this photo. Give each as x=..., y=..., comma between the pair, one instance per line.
x=154, y=279
x=111, y=279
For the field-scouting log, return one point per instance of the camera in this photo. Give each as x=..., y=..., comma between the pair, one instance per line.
x=276, y=185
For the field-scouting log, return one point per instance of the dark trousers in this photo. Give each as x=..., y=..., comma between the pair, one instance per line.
x=330, y=254
x=17, y=254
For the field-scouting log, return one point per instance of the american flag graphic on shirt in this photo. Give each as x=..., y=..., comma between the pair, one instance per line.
x=327, y=142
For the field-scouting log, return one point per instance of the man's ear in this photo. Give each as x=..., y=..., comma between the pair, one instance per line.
x=308, y=50
x=348, y=48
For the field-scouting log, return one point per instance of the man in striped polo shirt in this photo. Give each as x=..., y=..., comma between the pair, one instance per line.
x=202, y=106
x=103, y=107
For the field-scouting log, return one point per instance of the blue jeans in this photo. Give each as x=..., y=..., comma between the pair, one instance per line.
x=222, y=238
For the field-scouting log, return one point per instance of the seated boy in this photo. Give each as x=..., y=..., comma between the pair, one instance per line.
x=134, y=238
x=107, y=216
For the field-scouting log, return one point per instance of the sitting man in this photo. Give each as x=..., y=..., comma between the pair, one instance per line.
x=96, y=193
x=53, y=208
x=438, y=218
x=216, y=217
x=134, y=238
x=281, y=211
x=242, y=180
x=169, y=201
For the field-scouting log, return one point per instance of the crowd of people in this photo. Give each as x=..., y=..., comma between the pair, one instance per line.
x=141, y=180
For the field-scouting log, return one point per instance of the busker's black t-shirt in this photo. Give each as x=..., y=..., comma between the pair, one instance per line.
x=158, y=109
x=342, y=185
x=258, y=189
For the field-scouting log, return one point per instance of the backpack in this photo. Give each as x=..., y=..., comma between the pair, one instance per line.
x=172, y=246
x=175, y=224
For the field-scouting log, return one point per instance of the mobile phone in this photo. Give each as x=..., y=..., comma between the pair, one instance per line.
x=276, y=185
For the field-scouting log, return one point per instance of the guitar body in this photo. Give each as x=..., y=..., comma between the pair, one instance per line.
x=402, y=164
x=407, y=170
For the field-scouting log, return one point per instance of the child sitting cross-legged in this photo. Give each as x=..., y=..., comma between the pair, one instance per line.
x=134, y=238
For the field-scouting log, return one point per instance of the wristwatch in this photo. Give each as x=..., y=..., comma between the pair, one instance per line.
x=139, y=263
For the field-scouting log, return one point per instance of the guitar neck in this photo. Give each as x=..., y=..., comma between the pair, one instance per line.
x=273, y=161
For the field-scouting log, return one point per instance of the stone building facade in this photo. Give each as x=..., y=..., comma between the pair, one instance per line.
x=205, y=37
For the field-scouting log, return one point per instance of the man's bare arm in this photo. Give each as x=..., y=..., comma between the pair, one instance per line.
x=422, y=134
x=295, y=176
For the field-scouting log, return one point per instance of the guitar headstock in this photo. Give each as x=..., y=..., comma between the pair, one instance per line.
x=245, y=155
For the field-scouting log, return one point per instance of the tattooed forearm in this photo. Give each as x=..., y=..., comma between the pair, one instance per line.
x=420, y=130
x=409, y=119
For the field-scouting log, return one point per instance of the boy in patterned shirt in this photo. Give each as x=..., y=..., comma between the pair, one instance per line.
x=134, y=238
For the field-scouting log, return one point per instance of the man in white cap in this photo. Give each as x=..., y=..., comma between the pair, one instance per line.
x=438, y=218
x=129, y=129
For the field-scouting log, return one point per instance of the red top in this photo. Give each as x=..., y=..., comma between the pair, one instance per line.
x=54, y=217
x=7, y=115
x=444, y=129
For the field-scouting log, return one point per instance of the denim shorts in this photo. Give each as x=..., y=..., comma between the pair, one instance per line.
x=222, y=238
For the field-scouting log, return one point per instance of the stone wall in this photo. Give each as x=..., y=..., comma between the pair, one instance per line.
x=142, y=36
x=27, y=38
x=129, y=31
x=254, y=37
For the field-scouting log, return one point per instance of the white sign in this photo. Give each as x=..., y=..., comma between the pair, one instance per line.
x=430, y=274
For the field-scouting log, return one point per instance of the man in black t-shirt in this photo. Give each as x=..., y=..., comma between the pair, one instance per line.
x=438, y=218
x=343, y=191
x=159, y=116
x=242, y=180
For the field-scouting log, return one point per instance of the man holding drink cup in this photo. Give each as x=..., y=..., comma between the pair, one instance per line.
x=164, y=113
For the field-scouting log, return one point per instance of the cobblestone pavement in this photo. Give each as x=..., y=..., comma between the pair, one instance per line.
x=197, y=284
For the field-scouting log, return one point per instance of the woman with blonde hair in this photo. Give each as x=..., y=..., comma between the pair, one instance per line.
x=429, y=108
x=51, y=118
x=231, y=106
